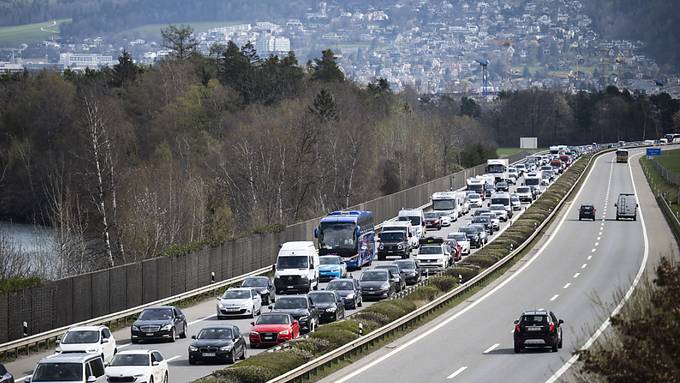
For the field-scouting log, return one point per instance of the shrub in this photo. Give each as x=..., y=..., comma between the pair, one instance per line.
x=496, y=253
x=278, y=362
x=482, y=260
x=444, y=283
x=312, y=345
x=387, y=308
x=244, y=374
x=403, y=304
x=423, y=294
x=369, y=316
x=14, y=284
x=465, y=272
x=336, y=337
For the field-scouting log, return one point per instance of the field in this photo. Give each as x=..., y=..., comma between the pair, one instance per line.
x=29, y=33
x=153, y=31
x=670, y=160
x=504, y=152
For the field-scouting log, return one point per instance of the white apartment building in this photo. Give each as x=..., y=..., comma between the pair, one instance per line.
x=85, y=60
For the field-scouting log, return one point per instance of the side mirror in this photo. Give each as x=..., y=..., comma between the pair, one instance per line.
x=91, y=379
x=105, y=340
x=156, y=363
x=58, y=340
x=252, y=323
x=316, y=232
x=616, y=205
x=270, y=307
x=516, y=321
x=560, y=321
x=295, y=321
x=193, y=337
x=274, y=267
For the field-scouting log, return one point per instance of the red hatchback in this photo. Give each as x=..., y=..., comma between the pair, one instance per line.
x=273, y=328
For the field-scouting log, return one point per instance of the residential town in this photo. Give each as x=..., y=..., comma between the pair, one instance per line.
x=443, y=47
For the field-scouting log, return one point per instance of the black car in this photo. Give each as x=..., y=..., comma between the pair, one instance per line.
x=393, y=243
x=159, y=323
x=489, y=191
x=501, y=187
x=376, y=284
x=330, y=304
x=484, y=221
x=586, y=212
x=264, y=286
x=473, y=235
x=218, y=343
x=301, y=308
x=410, y=270
x=538, y=328
x=349, y=290
x=397, y=277
x=5, y=376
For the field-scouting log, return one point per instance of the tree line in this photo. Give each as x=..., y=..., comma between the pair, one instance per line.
x=129, y=162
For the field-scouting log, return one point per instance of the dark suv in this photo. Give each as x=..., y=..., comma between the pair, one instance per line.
x=586, y=212
x=159, y=323
x=538, y=328
x=393, y=243
x=302, y=308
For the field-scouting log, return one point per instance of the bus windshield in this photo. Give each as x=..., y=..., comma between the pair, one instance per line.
x=336, y=235
x=496, y=168
x=443, y=204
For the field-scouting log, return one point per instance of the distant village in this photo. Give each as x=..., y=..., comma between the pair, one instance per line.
x=474, y=47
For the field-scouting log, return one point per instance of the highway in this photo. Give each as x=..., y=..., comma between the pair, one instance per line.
x=575, y=264
x=202, y=315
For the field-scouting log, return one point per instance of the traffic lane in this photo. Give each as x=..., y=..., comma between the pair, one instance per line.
x=474, y=330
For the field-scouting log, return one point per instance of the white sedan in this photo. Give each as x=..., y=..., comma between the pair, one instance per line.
x=239, y=301
x=475, y=200
x=462, y=240
x=138, y=366
x=445, y=218
x=89, y=339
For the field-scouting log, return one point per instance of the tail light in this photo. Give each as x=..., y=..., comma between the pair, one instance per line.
x=517, y=328
x=552, y=327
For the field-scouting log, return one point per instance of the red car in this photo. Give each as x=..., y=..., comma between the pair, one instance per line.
x=273, y=328
x=432, y=221
x=456, y=249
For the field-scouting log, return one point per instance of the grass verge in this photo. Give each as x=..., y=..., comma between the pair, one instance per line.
x=15, y=35
x=659, y=187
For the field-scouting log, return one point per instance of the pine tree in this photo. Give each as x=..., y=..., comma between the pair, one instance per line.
x=125, y=72
x=324, y=107
x=326, y=69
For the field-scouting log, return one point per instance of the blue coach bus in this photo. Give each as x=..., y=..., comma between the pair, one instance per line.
x=348, y=234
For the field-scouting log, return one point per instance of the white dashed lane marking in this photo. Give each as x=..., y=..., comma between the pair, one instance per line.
x=583, y=266
x=576, y=275
x=554, y=297
x=457, y=372
x=488, y=350
x=567, y=285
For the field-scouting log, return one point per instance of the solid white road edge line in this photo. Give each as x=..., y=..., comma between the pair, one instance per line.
x=435, y=328
x=488, y=350
x=625, y=298
x=202, y=319
x=458, y=371
x=173, y=358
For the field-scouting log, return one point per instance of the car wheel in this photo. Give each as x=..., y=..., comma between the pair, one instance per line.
x=252, y=312
x=243, y=353
x=554, y=347
x=518, y=349
x=173, y=335
x=192, y=361
x=361, y=303
x=165, y=377
x=151, y=379
x=232, y=357
x=183, y=335
x=134, y=341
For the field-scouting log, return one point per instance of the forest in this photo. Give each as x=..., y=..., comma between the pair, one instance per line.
x=132, y=162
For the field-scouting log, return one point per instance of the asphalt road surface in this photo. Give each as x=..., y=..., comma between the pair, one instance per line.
x=576, y=264
x=203, y=315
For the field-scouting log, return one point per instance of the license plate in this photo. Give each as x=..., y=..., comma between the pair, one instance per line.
x=208, y=354
x=149, y=334
x=534, y=328
x=291, y=287
x=268, y=338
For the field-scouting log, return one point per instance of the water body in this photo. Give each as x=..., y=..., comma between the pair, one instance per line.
x=33, y=242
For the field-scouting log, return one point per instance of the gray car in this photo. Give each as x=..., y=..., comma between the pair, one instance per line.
x=264, y=286
x=376, y=284
x=350, y=291
x=397, y=276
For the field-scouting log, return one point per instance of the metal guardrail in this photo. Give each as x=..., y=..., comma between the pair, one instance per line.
x=37, y=339
x=15, y=346
x=308, y=369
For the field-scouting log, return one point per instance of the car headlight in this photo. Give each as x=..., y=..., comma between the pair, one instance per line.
x=350, y=296
x=381, y=247
x=330, y=309
x=262, y=292
x=167, y=327
x=304, y=277
x=92, y=351
x=58, y=349
x=400, y=246
x=220, y=305
x=284, y=332
x=135, y=328
x=193, y=348
x=226, y=348
x=385, y=286
x=254, y=333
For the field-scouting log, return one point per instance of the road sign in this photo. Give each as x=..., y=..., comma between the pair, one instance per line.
x=653, y=152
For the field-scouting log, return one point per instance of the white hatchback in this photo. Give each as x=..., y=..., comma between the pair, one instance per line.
x=138, y=366
x=462, y=240
x=239, y=301
x=88, y=339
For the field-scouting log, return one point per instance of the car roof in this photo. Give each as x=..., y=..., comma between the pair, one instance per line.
x=257, y=277
x=222, y=326
x=240, y=289
x=535, y=312
x=69, y=358
x=329, y=256
x=86, y=328
x=292, y=296
x=392, y=265
x=159, y=307
x=135, y=352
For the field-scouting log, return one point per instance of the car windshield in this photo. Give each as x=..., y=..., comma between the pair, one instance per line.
x=534, y=320
x=523, y=189
x=415, y=220
x=467, y=230
x=586, y=207
x=236, y=294
x=392, y=237
x=322, y=297
x=374, y=276
x=215, y=333
x=473, y=197
x=340, y=285
x=287, y=303
x=393, y=268
x=500, y=201
x=430, y=250
x=479, y=228
x=76, y=337
x=273, y=319
x=532, y=181
x=255, y=282
x=481, y=218
x=156, y=314
x=130, y=360
x=431, y=214
x=497, y=207
x=330, y=260
x=3, y=370
x=58, y=372
x=292, y=262
x=458, y=236
x=406, y=265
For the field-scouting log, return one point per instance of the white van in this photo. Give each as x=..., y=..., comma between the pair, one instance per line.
x=447, y=203
x=412, y=233
x=417, y=219
x=297, y=268
x=502, y=199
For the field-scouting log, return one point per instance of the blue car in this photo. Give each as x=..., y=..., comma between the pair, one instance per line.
x=331, y=267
